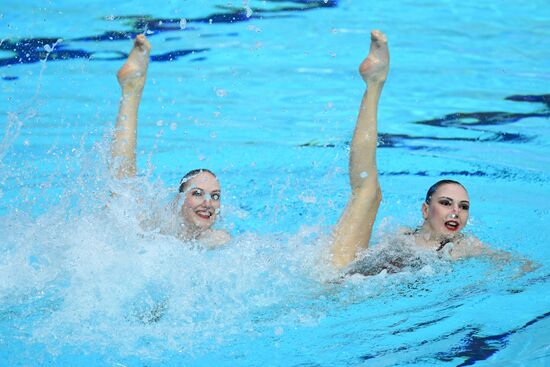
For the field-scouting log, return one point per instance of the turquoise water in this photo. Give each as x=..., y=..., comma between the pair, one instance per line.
x=268, y=102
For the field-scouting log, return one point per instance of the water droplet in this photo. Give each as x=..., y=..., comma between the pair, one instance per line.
x=183, y=23
x=307, y=199
x=221, y=92
x=363, y=174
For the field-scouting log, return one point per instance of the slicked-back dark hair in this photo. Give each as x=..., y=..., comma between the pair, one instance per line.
x=184, y=182
x=436, y=186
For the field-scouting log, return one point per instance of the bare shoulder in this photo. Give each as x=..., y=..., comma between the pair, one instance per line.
x=405, y=231
x=215, y=238
x=469, y=246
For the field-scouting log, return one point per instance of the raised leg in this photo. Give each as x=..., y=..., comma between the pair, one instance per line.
x=131, y=78
x=354, y=229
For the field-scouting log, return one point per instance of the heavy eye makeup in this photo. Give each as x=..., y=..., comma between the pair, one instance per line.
x=464, y=205
x=445, y=202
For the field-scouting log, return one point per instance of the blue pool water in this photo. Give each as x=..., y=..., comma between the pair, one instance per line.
x=265, y=93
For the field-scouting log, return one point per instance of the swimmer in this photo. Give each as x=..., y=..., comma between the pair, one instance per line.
x=197, y=203
x=446, y=206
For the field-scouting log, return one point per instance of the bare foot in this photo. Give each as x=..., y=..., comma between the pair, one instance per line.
x=375, y=67
x=131, y=76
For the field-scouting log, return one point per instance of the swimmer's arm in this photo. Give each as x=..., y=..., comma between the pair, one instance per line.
x=525, y=265
x=476, y=248
x=354, y=229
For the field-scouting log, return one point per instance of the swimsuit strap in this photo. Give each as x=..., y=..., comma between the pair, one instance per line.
x=442, y=244
x=412, y=232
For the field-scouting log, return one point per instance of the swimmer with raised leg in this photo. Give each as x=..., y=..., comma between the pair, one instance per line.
x=446, y=207
x=197, y=203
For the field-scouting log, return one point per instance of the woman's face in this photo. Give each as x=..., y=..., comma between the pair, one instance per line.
x=448, y=210
x=202, y=201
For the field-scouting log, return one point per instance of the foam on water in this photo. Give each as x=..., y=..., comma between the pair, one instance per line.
x=86, y=274
x=91, y=279
x=103, y=280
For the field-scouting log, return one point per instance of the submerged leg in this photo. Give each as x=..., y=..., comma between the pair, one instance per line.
x=131, y=78
x=354, y=229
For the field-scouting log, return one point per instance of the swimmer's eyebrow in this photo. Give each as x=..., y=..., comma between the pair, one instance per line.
x=448, y=198
x=200, y=188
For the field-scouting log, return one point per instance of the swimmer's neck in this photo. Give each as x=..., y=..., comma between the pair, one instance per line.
x=189, y=232
x=424, y=237
x=209, y=237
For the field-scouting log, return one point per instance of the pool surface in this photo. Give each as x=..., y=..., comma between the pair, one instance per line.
x=265, y=93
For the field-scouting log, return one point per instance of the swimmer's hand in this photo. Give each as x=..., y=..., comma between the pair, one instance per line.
x=527, y=266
